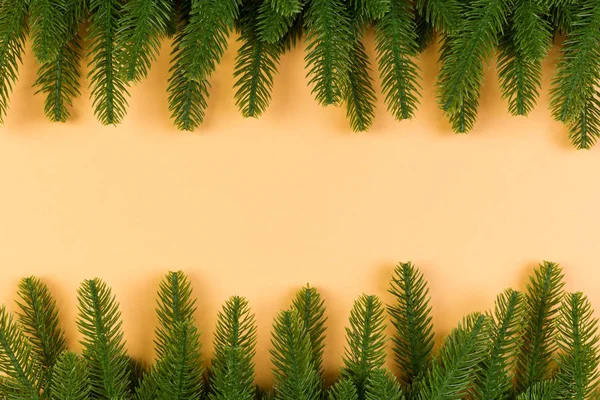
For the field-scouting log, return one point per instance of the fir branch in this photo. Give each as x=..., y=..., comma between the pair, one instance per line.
x=444, y=15
x=383, y=386
x=542, y=299
x=137, y=372
x=256, y=64
x=359, y=93
x=531, y=30
x=71, y=379
x=456, y=367
x=295, y=376
x=343, y=390
x=494, y=381
x=108, y=90
x=234, y=348
x=18, y=364
x=585, y=130
x=328, y=44
x=294, y=34
x=272, y=26
x=371, y=9
x=175, y=305
x=204, y=38
x=425, y=32
x=579, y=357
x=13, y=30
x=366, y=342
x=561, y=16
x=48, y=27
x=579, y=65
x=462, y=70
x=545, y=390
x=287, y=8
x=520, y=78
x=144, y=23
x=39, y=319
x=60, y=81
x=187, y=97
x=311, y=309
x=396, y=42
x=179, y=374
x=103, y=345
x=411, y=317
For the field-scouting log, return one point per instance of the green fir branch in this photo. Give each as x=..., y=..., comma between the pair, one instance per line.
x=584, y=131
x=413, y=328
x=48, y=27
x=294, y=374
x=456, y=367
x=328, y=44
x=463, y=59
x=443, y=15
x=13, y=31
x=99, y=323
x=366, y=342
x=143, y=25
x=383, y=386
x=545, y=390
x=359, y=93
x=108, y=88
x=343, y=390
x=579, y=357
x=287, y=8
x=19, y=366
x=234, y=348
x=179, y=374
x=542, y=299
x=272, y=26
x=71, y=379
x=39, y=319
x=256, y=65
x=494, y=381
x=311, y=308
x=396, y=43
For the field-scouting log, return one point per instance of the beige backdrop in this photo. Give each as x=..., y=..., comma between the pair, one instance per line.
x=260, y=207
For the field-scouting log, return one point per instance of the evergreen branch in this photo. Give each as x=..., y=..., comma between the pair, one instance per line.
x=531, y=30
x=103, y=345
x=144, y=23
x=383, y=386
x=494, y=381
x=545, y=390
x=71, y=379
x=366, y=342
x=13, y=30
x=272, y=26
x=444, y=15
x=462, y=70
x=458, y=363
x=39, y=319
x=187, y=97
x=137, y=372
x=294, y=35
x=204, y=38
x=425, y=32
x=234, y=348
x=48, y=27
x=561, y=16
x=396, y=42
x=256, y=64
x=411, y=316
x=19, y=366
x=520, y=78
x=175, y=305
x=179, y=373
x=328, y=44
x=585, y=130
x=578, y=344
x=544, y=292
x=295, y=376
x=343, y=390
x=371, y=9
x=311, y=309
x=108, y=90
x=359, y=93
x=287, y=8
x=578, y=68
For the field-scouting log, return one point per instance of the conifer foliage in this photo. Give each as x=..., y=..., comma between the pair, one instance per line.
x=124, y=38
x=539, y=344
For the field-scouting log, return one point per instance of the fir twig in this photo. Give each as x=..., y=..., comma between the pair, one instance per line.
x=71, y=379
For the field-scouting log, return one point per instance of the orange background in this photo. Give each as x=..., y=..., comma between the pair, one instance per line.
x=260, y=207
